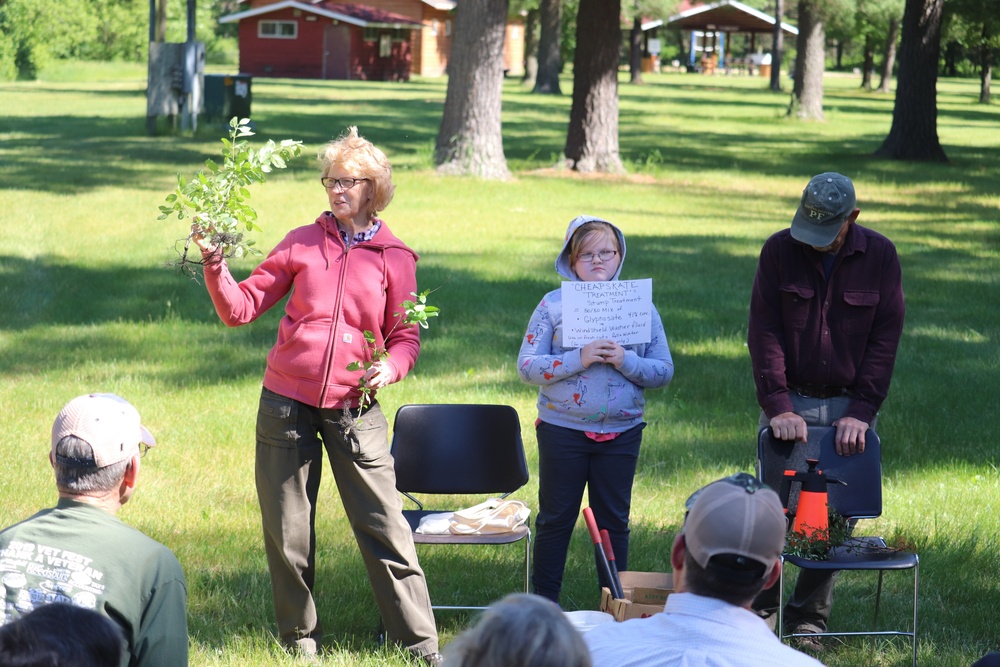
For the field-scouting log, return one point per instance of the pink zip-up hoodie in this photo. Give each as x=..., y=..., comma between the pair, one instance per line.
x=336, y=294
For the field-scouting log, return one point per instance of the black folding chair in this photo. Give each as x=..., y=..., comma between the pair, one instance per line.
x=860, y=498
x=460, y=449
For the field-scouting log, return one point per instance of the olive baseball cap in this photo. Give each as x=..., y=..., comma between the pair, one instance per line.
x=108, y=423
x=826, y=202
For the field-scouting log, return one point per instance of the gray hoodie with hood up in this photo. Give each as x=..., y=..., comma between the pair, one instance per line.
x=602, y=398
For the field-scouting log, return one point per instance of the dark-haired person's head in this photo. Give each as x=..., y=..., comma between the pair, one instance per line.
x=59, y=635
x=991, y=659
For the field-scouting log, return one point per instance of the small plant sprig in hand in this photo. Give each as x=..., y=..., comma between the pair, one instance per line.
x=415, y=313
x=216, y=199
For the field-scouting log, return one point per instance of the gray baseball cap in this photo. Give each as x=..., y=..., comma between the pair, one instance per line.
x=735, y=518
x=826, y=202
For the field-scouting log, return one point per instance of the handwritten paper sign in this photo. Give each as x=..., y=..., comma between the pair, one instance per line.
x=618, y=310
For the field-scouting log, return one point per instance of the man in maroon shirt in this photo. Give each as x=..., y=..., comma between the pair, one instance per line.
x=826, y=315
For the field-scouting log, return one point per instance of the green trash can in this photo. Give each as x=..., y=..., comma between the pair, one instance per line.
x=227, y=95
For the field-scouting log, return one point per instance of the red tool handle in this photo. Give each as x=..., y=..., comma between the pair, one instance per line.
x=595, y=534
x=603, y=567
x=609, y=551
x=606, y=542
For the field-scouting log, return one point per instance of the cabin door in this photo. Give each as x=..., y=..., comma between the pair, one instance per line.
x=337, y=52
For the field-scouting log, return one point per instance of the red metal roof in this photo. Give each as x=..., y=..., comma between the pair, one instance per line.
x=370, y=15
x=359, y=15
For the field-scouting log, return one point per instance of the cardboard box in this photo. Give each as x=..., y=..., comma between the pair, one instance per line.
x=645, y=595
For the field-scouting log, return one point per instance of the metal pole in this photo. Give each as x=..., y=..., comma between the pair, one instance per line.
x=189, y=115
x=150, y=120
x=152, y=20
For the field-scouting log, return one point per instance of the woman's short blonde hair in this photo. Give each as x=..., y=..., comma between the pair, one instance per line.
x=362, y=159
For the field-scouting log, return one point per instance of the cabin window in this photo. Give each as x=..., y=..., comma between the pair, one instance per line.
x=278, y=29
x=385, y=38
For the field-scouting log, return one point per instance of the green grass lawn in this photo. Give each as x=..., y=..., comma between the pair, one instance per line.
x=89, y=304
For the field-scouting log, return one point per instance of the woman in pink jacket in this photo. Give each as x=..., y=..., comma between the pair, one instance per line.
x=347, y=273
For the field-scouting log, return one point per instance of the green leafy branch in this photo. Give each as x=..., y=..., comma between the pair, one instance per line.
x=215, y=200
x=415, y=313
x=816, y=544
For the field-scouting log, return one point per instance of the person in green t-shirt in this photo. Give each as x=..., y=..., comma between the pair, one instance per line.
x=79, y=552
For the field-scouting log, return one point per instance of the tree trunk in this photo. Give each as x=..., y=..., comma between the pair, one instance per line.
x=889, y=59
x=868, y=63
x=530, y=48
x=952, y=54
x=635, y=51
x=810, y=61
x=985, y=64
x=984, y=80
x=779, y=45
x=161, y=21
x=592, y=138
x=549, y=60
x=470, y=139
x=913, y=135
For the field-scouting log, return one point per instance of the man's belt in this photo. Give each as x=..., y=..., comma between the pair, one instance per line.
x=818, y=390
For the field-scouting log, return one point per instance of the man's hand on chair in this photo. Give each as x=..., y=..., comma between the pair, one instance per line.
x=789, y=426
x=850, y=435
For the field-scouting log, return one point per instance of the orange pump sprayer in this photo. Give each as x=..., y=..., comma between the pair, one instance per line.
x=812, y=517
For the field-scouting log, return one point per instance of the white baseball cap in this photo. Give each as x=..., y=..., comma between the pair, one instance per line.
x=107, y=422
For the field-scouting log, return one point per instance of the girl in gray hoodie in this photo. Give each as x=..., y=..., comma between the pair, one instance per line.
x=590, y=408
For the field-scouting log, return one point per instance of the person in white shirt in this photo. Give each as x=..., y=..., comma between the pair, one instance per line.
x=727, y=552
